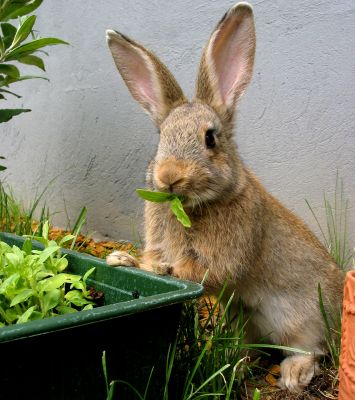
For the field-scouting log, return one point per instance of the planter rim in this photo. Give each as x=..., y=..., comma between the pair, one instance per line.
x=180, y=291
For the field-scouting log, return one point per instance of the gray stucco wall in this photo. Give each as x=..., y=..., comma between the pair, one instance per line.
x=295, y=125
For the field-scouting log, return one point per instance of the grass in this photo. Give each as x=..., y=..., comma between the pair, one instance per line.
x=206, y=360
x=335, y=233
x=15, y=218
x=20, y=220
x=335, y=238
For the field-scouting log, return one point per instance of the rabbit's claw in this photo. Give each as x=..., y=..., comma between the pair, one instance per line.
x=122, y=259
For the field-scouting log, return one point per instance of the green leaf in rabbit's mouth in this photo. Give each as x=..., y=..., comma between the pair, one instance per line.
x=175, y=203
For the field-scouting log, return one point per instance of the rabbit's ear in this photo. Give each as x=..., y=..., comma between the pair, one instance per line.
x=147, y=78
x=227, y=61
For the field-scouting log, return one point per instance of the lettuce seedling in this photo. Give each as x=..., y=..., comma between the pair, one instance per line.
x=175, y=203
x=33, y=284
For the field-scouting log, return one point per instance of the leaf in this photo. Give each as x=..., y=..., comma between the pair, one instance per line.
x=45, y=230
x=51, y=300
x=26, y=315
x=27, y=246
x=31, y=47
x=54, y=282
x=32, y=60
x=46, y=253
x=7, y=114
x=158, y=197
x=65, y=239
x=23, y=30
x=10, y=70
x=4, y=247
x=11, y=280
x=65, y=310
x=21, y=297
x=43, y=274
x=12, y=93
x=36, y=315
x=17, y=10
x=61, y=264
x=76, y=297
x=78, y=285
x=256, y=395
x=38, y=239
x=175, y=203
x=87, y=274
x=178, y=210
x=11, y=315
x=14, y=260
x=9, y=32
x=10, y=80
x=78, y=225
x=2, y=168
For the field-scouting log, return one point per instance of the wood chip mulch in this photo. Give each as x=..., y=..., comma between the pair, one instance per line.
x=101, y=249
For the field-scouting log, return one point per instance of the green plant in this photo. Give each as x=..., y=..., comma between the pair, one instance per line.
x=208, y=358
x=256, y=395
x=110, y=386
x=335, y=237
x=332, y=325
x=2, y=167
x=15, y=46
x=205, y=360
x=15, y=218
x=174, y=200
x=33, y=284
x=335, y=234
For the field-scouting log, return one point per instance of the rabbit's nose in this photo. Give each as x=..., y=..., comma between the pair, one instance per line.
x=168, y=176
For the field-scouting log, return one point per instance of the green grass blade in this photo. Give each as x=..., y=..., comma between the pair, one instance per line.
x=218, y=372
x=148, y=383
x=78, y=225
x=257, y=394
x=104, y=369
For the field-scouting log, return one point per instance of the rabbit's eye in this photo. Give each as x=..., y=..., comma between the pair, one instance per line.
x=209, y=138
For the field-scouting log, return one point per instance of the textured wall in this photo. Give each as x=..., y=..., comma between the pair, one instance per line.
x=295, y=125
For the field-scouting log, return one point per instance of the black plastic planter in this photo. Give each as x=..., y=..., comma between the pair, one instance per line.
x=60, y=357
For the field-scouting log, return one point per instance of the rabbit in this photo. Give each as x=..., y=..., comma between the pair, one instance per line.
x=240, y=232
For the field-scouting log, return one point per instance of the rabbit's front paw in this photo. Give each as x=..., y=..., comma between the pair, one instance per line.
x=297, y=371
x=122, y=259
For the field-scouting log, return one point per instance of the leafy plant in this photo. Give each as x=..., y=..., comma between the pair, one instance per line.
x=15, y=46
x=33, y=284
x=175, y=203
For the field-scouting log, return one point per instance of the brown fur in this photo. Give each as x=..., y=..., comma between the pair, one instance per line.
x=240, y=233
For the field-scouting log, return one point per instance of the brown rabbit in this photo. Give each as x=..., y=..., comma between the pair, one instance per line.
x=239, y=232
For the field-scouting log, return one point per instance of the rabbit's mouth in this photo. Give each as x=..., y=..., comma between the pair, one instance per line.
x=193, y=181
